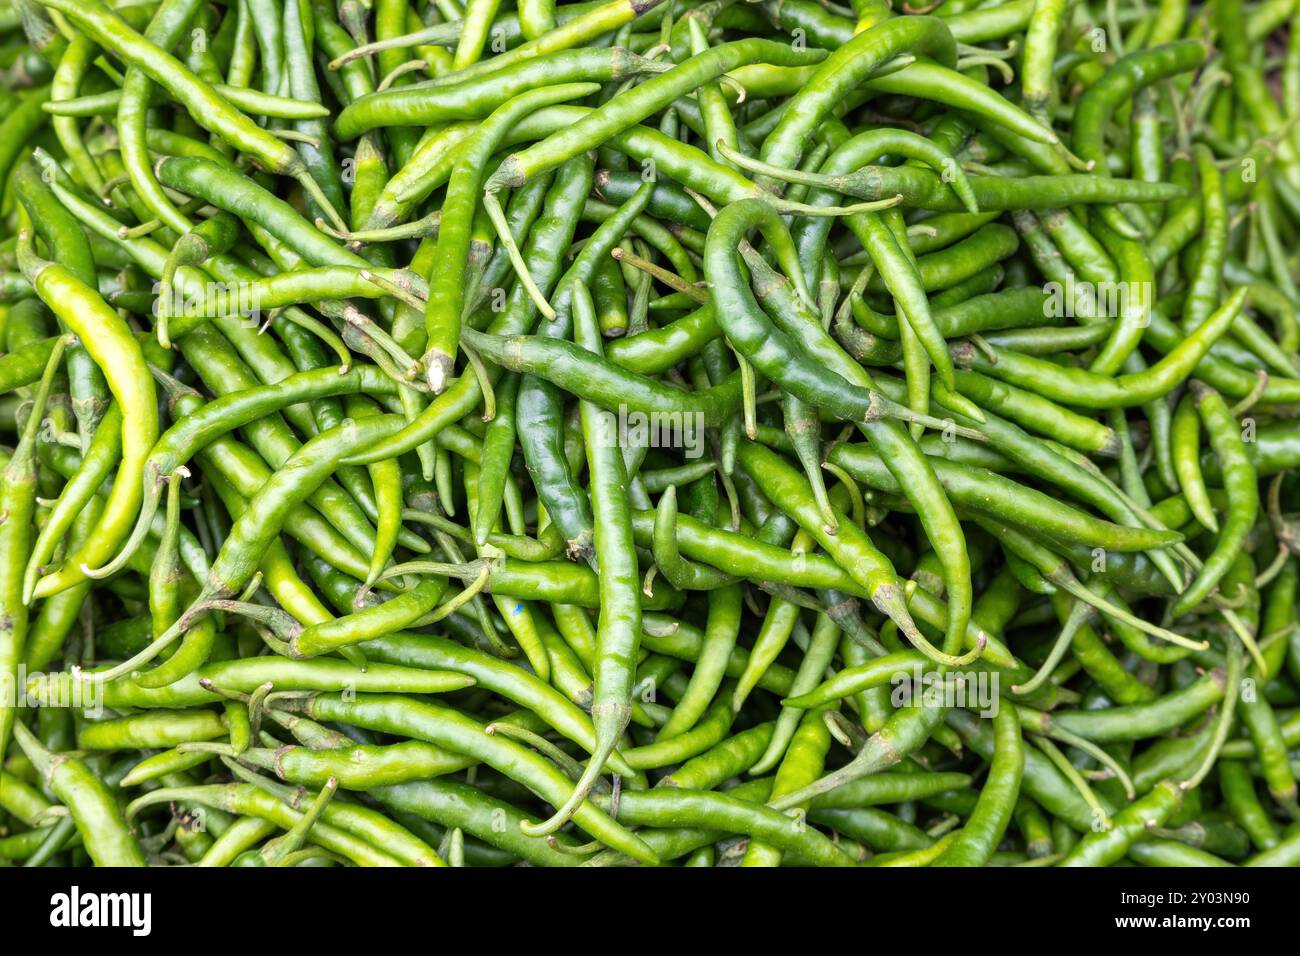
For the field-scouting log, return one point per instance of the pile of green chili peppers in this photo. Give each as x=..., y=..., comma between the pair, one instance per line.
x=649, y=432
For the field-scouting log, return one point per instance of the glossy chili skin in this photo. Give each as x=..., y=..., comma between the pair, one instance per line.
x=776, y=434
